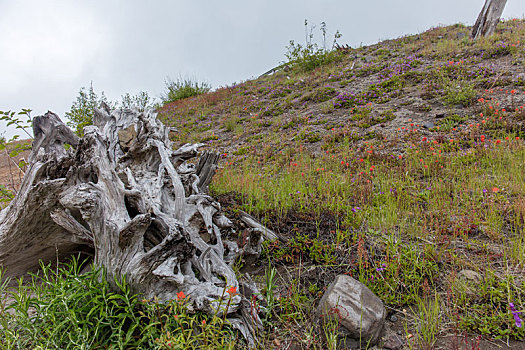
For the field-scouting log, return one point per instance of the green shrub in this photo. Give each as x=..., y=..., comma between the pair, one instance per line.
x=459, y=92
x=82, y=110
x=308, y=57
x=183, y=88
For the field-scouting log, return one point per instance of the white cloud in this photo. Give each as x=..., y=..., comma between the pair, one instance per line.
x=47, y=41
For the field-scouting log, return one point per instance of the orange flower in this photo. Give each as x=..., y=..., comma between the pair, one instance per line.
x=232, y=291
x=180, y=295
x=495, y=189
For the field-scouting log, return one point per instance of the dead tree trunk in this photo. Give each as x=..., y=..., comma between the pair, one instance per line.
x=488, y=18
x=122, y=193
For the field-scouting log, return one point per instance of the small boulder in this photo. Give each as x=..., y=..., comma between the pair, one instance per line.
x=428, y=125
x=470, y=276
x=468, y=281
x=394, y=342
x=361, y=313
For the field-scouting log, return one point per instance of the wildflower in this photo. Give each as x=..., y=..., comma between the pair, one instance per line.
x=516, y=315
x=180, y=295
x=495, y=189
x=498, y=142
x=382, y=268
x=233, y=290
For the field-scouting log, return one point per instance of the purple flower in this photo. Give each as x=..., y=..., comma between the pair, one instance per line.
x=382, y=268
x=516, y=315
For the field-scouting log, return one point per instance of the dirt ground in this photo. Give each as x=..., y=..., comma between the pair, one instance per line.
x=10, y=175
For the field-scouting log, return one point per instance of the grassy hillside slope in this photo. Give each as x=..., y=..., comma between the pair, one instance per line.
x=401, y=164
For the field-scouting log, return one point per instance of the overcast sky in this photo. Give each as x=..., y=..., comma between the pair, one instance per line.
x=49, y=49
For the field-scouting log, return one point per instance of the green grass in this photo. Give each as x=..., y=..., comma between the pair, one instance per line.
x=66, y=309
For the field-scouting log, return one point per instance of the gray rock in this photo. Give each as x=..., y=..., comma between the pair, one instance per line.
x=461, y=35
x=361, y=313
x=393, y=318
x=470, y=276
x=394, y=342
x=428, y=125
x=468, y=281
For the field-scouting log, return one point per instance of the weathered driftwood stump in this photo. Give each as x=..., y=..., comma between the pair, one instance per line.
x=123, y=194
x=488, y=18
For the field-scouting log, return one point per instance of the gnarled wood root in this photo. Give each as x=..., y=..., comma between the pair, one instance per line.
x=122, y=193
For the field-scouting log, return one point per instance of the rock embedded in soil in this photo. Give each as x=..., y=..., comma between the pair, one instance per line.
x=428, y=125
x=468, y=281
x=394, y=342
x=361, y=313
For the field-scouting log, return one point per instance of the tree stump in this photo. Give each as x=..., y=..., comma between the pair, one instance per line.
x=122, y=194
x=488, y=18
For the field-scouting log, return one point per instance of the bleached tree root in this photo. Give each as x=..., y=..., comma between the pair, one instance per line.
x=143, y=211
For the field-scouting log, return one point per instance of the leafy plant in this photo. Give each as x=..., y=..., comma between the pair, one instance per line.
x=183, y=88
x=83, y=108
x=12, y=148
x=459, y=92
x=311, y=55
x=65, y=309
x=141, y=101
